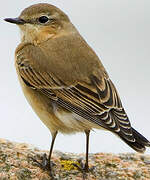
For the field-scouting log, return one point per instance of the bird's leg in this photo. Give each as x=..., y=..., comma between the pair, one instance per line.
x=84, y=167
x=46, y=163
x=51, y=148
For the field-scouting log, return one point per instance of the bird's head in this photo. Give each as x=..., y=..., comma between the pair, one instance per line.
x=41, y=22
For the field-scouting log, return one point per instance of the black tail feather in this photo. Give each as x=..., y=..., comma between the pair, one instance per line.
x=140, y=138
x=140, y=142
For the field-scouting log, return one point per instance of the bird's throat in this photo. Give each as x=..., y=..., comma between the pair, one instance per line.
x=36, y=35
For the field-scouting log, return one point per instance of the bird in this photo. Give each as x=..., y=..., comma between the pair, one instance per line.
x=65, y=82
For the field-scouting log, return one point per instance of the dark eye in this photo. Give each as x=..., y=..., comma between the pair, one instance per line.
x=43, y=19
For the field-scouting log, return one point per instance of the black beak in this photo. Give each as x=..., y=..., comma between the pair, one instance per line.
x=15, y=21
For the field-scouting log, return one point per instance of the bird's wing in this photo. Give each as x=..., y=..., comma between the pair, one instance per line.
x=101, y=106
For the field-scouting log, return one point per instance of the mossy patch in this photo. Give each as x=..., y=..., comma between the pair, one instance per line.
x=23, y=174
x=3, y=157
x=5, y=168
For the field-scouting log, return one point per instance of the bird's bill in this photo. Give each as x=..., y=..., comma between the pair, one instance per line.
x=15, y=21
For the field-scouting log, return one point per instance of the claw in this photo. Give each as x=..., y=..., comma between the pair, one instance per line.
x=83, y=168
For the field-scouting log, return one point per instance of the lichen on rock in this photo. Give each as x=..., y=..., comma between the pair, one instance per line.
x=15, y=164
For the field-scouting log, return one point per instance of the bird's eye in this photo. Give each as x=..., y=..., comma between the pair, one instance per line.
x=43, y=19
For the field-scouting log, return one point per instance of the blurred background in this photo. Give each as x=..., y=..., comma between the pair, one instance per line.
x=119, y=32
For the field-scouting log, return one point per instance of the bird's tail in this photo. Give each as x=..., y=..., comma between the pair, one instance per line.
x=140, y=142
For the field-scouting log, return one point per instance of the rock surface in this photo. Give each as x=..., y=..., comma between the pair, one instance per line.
x=16, y=164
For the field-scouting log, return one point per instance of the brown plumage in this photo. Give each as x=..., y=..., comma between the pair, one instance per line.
x=64, y=80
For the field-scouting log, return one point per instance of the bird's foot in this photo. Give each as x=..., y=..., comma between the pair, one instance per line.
x=46, y=165
x=83, y=168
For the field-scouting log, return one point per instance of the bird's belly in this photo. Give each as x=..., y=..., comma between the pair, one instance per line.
x=72, y=120
x=56, y=119
x=43, y=108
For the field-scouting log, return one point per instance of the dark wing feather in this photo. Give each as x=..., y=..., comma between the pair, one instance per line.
x=98, y=102
x=110, y=98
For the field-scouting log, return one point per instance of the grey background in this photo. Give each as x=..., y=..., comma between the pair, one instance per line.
x=119, y=33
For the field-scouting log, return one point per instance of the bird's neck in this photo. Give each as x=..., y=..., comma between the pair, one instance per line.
x=39, y=35
x=36, y=35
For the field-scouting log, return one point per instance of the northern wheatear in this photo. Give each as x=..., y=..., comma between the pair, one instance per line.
x=65, y=82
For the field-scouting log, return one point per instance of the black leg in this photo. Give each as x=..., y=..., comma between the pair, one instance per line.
x=51, y=148
x=86, y=167
x=46, y=163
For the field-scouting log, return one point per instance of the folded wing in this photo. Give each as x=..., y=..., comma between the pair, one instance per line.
x=97, y=102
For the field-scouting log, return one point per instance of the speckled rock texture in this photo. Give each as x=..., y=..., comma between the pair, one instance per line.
x=16, y=164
